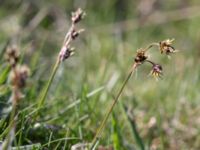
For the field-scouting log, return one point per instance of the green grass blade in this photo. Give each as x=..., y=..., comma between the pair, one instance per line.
x=134, y=129
x=116, y=135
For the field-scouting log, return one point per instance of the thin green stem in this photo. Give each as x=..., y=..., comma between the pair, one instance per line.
x=103, y=123
x=47, y=87
x=15, y=99
x=151, y=45
x=10, y=127
x=150, y=62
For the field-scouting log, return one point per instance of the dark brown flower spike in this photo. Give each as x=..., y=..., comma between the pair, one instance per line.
x=77, y=16
x=166, y=46
x=140, y=56
x=66, y=52
x=71, y=35
x=75, y=33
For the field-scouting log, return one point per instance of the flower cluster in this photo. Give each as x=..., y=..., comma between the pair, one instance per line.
x=19, y=76
x=156, y=70
x=18, y=73
x=77, y=16
x=140, y=56
x=164, y=47
x=66, y=50
x=12, y=55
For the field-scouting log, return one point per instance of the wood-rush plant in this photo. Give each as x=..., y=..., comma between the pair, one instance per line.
x=165, y=47
x=65, y=52
x=18, y=77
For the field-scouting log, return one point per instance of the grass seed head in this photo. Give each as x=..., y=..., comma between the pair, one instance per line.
x=66, y=51
x=140, y=56
x=166, y=46
x=12, y=55
x=19, y=76
x=77, y=16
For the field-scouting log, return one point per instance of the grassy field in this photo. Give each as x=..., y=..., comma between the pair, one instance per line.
x=150, y=114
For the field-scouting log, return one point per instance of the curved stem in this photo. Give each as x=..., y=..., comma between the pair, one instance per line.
x=150, y=62
x=151, y=45
x=103, y=123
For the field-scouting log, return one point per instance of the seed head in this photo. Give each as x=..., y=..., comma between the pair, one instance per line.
x=12, y=55
x=19, y=76
x=140, y=56
x=77, y=16
x=156, y=70
x=75, y=33
x=166, y=46
x=66, y=52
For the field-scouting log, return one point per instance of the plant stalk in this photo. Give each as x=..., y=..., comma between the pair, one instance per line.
x=12, y=121
x=103, y=123
x=47, y=87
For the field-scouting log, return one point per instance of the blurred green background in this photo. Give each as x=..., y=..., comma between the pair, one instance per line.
x=164, y=114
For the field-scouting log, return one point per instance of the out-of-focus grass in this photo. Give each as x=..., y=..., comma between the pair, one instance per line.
x=166, y=112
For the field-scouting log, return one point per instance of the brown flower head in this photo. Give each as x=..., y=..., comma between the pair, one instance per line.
x=140, y=56
x=12, y=55
x=77, y=16
x=75, y=33
x=156, y=70
x=166, y=46
x=66, y=52
x=19, y=76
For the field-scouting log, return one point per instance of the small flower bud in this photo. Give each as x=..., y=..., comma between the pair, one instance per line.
x=166, y=46
x=12, y=55
x=66, y=52
x=77, y=16
x=75, y=33
x=19, y=76
x=156, y=70
x=24, y=74
x=140, y=56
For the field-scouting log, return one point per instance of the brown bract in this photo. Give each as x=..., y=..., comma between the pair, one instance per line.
x=78, y=15
x=166, y=46
x=140, y=56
